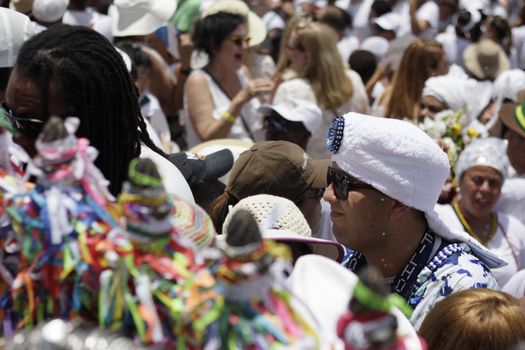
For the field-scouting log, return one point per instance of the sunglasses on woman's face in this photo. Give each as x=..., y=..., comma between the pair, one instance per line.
x=30, y=127
x=342, y=183
x=239, y=40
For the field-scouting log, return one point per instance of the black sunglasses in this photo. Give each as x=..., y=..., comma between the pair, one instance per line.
x=342, y=183
x=30, y=127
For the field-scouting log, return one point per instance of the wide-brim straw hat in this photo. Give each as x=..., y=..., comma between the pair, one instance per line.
x=140, y=17
x=485, y=59
x=256, y=27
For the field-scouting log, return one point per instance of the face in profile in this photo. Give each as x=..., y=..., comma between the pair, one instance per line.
x=25, y=108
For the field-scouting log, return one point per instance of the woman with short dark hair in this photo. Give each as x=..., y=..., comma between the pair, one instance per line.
x=219, y=98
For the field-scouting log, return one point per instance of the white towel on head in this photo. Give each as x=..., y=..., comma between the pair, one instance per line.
x=459, y=93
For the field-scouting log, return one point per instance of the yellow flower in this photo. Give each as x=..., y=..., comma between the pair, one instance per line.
x=456, y=129
x=471, y=132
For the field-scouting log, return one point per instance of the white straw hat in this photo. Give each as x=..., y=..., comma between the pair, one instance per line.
x=280, y=220
x=256, y=27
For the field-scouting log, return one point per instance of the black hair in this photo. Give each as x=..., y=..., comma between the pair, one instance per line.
x=364, y=63
x=381, y=7
x=4, y=77
x=336, y=18
x=209, y=32
x=138, y=57
x=501, y=29
x=92, y=79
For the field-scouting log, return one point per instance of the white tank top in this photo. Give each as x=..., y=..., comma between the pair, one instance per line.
x=221, y=102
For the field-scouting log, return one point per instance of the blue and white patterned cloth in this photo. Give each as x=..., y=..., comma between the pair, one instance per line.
x=452, y=270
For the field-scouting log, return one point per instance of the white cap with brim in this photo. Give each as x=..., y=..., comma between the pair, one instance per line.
x=325, y=305
x=298, y=110
x=256, y=27
x=389, y=21
x=140, y=17
x=400, y=160
x=15, y=29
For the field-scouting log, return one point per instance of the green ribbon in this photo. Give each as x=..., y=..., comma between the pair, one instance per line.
x=369, y=298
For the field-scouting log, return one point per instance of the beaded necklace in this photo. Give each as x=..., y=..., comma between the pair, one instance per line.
x=469, y=229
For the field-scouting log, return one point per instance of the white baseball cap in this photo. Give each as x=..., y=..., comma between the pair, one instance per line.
x=49, y=10
x=297, y=110
x=389, y=21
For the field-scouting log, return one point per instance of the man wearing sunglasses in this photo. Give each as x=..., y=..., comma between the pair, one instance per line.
x=384, y=181
x=293, y=120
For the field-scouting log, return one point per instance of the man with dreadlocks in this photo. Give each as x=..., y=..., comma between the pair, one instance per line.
x=74, y=71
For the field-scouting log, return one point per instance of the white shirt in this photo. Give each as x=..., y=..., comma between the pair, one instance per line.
x=172, y=178
x=453, y=45
x=512, y=199
x=516, y=285
x=360, y=13
x=518, y=41
x=429, y=12
x=221, y=102
x=508, y=242
x=346, y=46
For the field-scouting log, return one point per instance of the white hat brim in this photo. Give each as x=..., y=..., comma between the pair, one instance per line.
x=159, y=14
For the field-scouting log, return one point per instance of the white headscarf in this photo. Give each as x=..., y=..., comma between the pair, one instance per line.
x=490, y=151
x=459, y=93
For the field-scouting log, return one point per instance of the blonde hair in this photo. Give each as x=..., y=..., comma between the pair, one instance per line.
x=418, y=60
x=324, y=67
x=475, y=319
x=284, y=62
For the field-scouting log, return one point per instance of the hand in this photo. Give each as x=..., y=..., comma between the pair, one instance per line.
x=255, y=88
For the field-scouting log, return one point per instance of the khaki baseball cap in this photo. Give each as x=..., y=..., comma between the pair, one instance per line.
x=279, y=168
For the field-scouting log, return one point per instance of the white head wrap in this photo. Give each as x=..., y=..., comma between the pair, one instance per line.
x=490, y=151
x=459, y=93
x=400, y=160
x=508, y=84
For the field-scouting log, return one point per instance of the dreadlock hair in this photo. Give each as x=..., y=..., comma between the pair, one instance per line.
x=90, y=77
